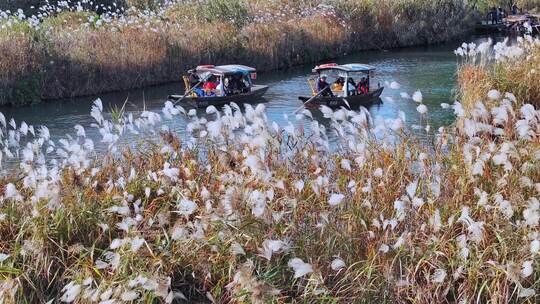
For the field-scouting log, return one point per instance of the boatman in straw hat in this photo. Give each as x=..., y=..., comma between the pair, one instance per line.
x=323, y=88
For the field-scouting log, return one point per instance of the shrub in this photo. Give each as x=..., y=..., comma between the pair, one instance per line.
x=234, y=11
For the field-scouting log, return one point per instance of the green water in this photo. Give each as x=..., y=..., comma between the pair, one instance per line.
x=428, y=69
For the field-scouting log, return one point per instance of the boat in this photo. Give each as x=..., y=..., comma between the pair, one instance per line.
x=344, y=98
x=195, y=96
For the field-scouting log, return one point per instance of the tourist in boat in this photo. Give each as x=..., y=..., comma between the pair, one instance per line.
x=219, y=88
x=351, y=87
x=232, y=85
x=225, y=81
x=515, y=9
x=247, y=84
x=338, y=84
x=210, y=86
x=323, y=88
x=363, y=86
x=239, y=84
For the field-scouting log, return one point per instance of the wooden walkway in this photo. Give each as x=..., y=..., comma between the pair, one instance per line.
x=513, y=24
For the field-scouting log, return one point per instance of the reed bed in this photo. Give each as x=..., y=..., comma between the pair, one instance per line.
x=68, y=50
x=241, y=210
x=504, y=66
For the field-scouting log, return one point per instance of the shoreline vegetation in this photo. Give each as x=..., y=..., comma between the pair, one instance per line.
x=241, y=210
x=67, y=50
x=482, y=70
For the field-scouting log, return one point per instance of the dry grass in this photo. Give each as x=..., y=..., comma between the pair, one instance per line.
x=89, y=59
x=508, y=67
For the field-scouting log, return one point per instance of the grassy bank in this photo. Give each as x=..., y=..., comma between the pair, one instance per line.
x=243, y=211
x=76, y=52
x=504, y=66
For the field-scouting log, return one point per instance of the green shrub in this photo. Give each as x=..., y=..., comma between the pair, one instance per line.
x=234, y=11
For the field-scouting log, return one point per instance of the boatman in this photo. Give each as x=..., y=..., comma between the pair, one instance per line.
x=323, y=88
x=195, y=84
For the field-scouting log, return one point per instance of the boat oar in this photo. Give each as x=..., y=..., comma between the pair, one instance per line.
x=191, y=90
x=309, y=100
x=346, y=103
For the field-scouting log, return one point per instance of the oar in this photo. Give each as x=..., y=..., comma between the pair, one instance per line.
x=190, y=90
x=347, y=103
x=309, y=100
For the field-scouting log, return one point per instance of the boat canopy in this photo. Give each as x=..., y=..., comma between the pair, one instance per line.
x=224, y=69
x=347, y=68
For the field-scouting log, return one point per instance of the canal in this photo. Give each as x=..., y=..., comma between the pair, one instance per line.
x=430, y=69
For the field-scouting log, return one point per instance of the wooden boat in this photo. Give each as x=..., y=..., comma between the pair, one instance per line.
x=344, y=98
x=221, y=96
x=354, y=101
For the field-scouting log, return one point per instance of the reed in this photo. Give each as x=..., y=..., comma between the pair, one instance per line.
x=239, y=210
x=505, y=66
x=78, y=53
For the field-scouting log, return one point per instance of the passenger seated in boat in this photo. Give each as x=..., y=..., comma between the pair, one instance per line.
x=363, y=86
x=232, y=85
x=239, y=84
x=338, y=84
x=198, y=91
x=219, y=88
x=323, y=88
x=227, y=85
x=351, y=87
x=210, y=86
x=247, y=84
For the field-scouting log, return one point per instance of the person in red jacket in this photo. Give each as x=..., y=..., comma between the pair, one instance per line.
x=363, y=86
x=210, y=86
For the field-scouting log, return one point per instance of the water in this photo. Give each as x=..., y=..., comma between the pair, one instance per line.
x=428, y=69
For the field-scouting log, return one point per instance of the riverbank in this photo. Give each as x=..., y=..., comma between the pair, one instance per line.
x=78, y=53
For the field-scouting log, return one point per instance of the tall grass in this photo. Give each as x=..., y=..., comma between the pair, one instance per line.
x=505, y=66
x=80, y=53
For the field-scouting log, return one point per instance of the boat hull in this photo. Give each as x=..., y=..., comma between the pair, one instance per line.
x=355, y=101
x=256, y=93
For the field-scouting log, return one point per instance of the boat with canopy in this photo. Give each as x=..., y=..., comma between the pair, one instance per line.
x=350, y=87
x=208, y=85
